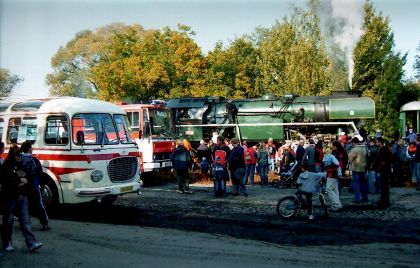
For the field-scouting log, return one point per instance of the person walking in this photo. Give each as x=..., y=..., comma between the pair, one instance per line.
x=250, y=155
x=181, y=162
x=382, y=165
x=358, y=166
x=16, y=186
x=333, y=172
x=33, y=169
x=262, y=159
x=236, y=162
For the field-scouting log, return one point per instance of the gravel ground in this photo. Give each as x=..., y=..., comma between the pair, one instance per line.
x=255, y=217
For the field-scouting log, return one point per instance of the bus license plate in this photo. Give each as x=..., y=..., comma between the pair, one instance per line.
x=126, y=189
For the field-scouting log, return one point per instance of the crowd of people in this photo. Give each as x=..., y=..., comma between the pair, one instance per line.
x=20, y=175
x=372, y=163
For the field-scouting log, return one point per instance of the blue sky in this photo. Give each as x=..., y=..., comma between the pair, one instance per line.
x=31, y=31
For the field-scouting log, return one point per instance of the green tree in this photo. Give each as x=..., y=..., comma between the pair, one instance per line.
x=292, y=56
x=231, y=71
x=159, y=65
x=417, y=64
x=119, y=62
x=72, y=65
x=378, y=70
x=7, y=82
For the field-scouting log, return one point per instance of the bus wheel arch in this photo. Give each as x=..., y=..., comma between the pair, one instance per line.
x=49, y=192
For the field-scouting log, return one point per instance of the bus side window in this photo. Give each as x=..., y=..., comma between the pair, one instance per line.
x=13, y=129
x=56, y=130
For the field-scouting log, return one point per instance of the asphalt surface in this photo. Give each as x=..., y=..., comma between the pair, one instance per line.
x=241, y=231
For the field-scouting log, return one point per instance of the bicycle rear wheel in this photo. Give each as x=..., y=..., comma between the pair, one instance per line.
x=287, y=206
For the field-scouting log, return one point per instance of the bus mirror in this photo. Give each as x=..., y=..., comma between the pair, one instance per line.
x=80, y=136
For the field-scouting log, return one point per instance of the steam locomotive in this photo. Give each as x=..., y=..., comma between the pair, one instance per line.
x=269, y=116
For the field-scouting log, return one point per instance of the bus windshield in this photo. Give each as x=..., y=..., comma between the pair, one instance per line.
x=121, y=121
x=94, y=129
x=160, y=123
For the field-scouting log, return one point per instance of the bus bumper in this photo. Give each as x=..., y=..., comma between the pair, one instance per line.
x=109, y=190
x=154, y=166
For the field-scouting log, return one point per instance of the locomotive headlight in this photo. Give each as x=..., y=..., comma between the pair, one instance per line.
x=96, y=176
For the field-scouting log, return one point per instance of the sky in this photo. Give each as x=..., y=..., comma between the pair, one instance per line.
x=31, y=31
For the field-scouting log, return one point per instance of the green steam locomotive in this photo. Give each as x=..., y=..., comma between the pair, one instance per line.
x=270, y=116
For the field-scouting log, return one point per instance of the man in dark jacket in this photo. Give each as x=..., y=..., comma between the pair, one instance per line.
x=300, y=151
x=34, y=169
x=309, y=156
x=383, y=165
x=181, y=161
x=236, y=162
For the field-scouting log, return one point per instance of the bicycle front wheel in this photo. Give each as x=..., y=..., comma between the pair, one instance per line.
x=287, y=206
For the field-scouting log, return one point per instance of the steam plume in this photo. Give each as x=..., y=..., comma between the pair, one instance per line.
x=350, y=15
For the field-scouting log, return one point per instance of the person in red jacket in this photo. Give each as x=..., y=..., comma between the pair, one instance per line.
x=250, y=156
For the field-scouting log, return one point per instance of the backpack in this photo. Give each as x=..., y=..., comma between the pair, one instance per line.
x=221, y=155
x=249, y=156
x=412, y=150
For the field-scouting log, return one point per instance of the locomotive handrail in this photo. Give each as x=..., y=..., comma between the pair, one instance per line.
x=273, y=124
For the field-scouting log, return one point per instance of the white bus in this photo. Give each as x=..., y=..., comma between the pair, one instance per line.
x=84, y=147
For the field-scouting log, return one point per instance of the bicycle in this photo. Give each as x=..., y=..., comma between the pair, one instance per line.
x=288, y=206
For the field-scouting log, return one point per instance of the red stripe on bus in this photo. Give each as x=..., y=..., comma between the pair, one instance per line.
x=79, y=157
x=58, y=171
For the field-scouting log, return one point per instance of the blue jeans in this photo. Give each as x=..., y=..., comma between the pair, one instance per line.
x=264, y=174
x=373, y=181
x=249, y=172
x=360, y=186
x=237, y=180
x=21, y=207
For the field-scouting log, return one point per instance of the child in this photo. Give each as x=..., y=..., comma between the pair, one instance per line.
x=205, y=168
x=218, y=177
x=310, y=184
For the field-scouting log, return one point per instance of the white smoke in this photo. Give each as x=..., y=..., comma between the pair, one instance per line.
x=350, y=12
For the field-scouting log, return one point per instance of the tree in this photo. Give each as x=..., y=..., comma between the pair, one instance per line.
x=417, y=64
x=378, y=70
x=231, y=71
x=292, y=56
x=7, y=82
x=119, y=62
x=72, y=65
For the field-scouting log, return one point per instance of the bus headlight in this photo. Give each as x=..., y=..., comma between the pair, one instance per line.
x=154, y=156
x=96, y=176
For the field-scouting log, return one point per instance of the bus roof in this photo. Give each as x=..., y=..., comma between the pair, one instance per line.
x=69, y=105
x=411, y=106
